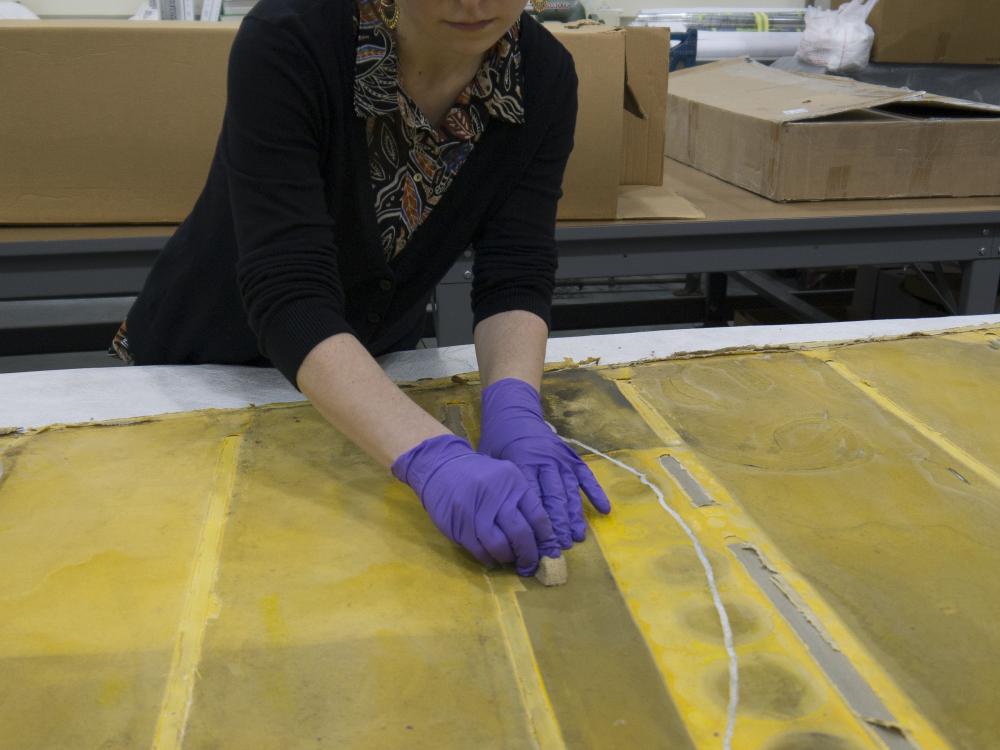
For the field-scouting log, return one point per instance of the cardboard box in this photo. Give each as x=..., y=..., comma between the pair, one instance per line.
x=798, y=137
x=622, y=114
x=108, y=121
x=116, y=122
x=933, y=31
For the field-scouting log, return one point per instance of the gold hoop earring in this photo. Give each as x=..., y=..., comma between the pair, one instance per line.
x=538, y=5
x=390, y=21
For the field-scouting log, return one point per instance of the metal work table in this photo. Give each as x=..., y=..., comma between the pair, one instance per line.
x=742, y=231
x=73, y=274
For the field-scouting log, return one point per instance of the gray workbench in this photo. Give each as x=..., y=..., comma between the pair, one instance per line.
x=79, y=274
x=745, y=232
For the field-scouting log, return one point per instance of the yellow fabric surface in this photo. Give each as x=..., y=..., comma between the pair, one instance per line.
x=872, y=514
x=98, y=533
x=944, y=381
x=249, y=579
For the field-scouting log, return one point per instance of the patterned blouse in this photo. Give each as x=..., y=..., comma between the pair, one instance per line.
x=412, y=163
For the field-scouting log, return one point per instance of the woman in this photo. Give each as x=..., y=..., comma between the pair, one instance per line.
x=365, y=145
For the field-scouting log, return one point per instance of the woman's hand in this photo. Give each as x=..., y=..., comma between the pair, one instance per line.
x=514, y=429
x=481, y=503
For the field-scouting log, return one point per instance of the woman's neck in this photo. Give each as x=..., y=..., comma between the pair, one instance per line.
x=432, y=77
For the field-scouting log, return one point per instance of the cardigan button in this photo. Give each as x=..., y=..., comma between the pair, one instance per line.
x=385, y=285
x=374, y=317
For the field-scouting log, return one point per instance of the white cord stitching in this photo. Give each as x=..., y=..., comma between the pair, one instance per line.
x=727, y=632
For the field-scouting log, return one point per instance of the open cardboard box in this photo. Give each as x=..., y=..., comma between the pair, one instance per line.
x=791, y=137
x=620, y=129
x=116, y=122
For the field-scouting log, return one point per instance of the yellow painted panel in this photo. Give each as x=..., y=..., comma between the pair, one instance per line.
x=250, y=579
x=867, y=509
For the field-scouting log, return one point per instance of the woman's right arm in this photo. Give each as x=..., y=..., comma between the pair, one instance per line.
x=348, y=387
x=484, y=504
x=288, y=267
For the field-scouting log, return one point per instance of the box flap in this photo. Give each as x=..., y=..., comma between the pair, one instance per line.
x=758, y=91
x=647, y=57
x=595, y=166
x=633, y=102
x=647, y=62
x=945, y=103
x=582, y=27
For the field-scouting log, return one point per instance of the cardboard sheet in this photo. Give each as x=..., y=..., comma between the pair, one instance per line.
x=108, y=126
x=249, y=578
x=648, y=202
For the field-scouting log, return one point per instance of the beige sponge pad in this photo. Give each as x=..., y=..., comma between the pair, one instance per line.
x=552, y=571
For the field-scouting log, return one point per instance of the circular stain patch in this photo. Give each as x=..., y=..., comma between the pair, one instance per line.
x=812, y=741
x=747, y=621
x=767, y=688
x=680, y=566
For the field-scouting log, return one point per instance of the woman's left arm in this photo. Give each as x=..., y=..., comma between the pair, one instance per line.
x=515, y=261
x=511, y=345
x=512, y=293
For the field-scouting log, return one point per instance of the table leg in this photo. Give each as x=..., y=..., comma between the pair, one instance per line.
x=865, y=289
x=453, y=314
x=980, y=281
x=716, y=305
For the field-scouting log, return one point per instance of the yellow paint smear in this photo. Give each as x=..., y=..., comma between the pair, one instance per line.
x=538, y=708
x=99, y=527
x=198, y=606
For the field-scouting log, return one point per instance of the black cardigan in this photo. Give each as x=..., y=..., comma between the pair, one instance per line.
x=281, y=249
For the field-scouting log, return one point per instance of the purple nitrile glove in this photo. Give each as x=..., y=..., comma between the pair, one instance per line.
x=514, y=429
x=481, y=503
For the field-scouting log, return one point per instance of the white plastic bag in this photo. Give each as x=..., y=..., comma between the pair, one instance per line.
x=838, y=40
x=16, y=10
x=148, y=11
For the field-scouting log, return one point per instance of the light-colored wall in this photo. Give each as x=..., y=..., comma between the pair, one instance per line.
x=630, y=7
x=87, y=7
x=82, y=7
